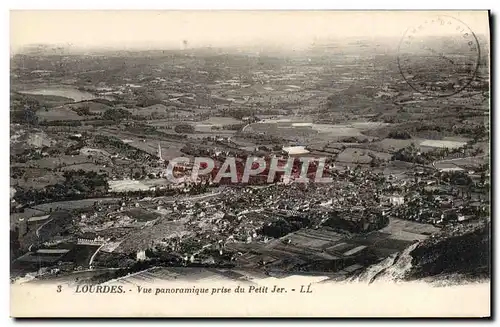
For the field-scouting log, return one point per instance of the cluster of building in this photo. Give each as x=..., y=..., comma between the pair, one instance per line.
x=359, y=201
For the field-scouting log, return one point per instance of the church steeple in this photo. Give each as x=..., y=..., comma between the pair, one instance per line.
x=160, y=158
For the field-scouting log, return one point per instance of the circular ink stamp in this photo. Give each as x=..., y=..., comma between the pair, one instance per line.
x=439, y=57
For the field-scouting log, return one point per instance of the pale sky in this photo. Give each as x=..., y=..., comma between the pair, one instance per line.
x=215, y=28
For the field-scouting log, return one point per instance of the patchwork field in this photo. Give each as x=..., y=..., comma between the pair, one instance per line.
x=133, y=185
x=149, y=144
x=462, y=163
x=302, y=128
x=157, y=109
x=59, y=161
x=362, y=156
x=442, y=144
x=38, y=181
x=75, y=204
x=101, y=169
x=353, y=155
x=58, y=113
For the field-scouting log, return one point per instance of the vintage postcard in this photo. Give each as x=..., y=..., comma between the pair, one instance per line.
x=250, y=164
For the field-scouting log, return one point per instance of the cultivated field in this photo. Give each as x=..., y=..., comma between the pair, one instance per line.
x=75, y=204
x=134, y=185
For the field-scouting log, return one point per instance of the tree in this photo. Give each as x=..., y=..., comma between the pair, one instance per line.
x=84, y=110
x=25, y=116
x=116, y=114
x=401, y=135
x=184, y=128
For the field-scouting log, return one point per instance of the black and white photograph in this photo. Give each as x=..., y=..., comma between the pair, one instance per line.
x=251, y=158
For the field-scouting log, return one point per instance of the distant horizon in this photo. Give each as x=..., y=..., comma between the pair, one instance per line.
x=73, y=49
x=159, y=47
x=179, y=30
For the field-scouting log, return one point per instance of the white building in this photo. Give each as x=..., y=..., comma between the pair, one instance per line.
x=295, y=149
x=397, y=200
x=141, y=255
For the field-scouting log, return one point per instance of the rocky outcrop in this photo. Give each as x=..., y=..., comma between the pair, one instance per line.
x=459, y=253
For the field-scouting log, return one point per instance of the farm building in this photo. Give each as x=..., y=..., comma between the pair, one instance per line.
x=295, y=150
